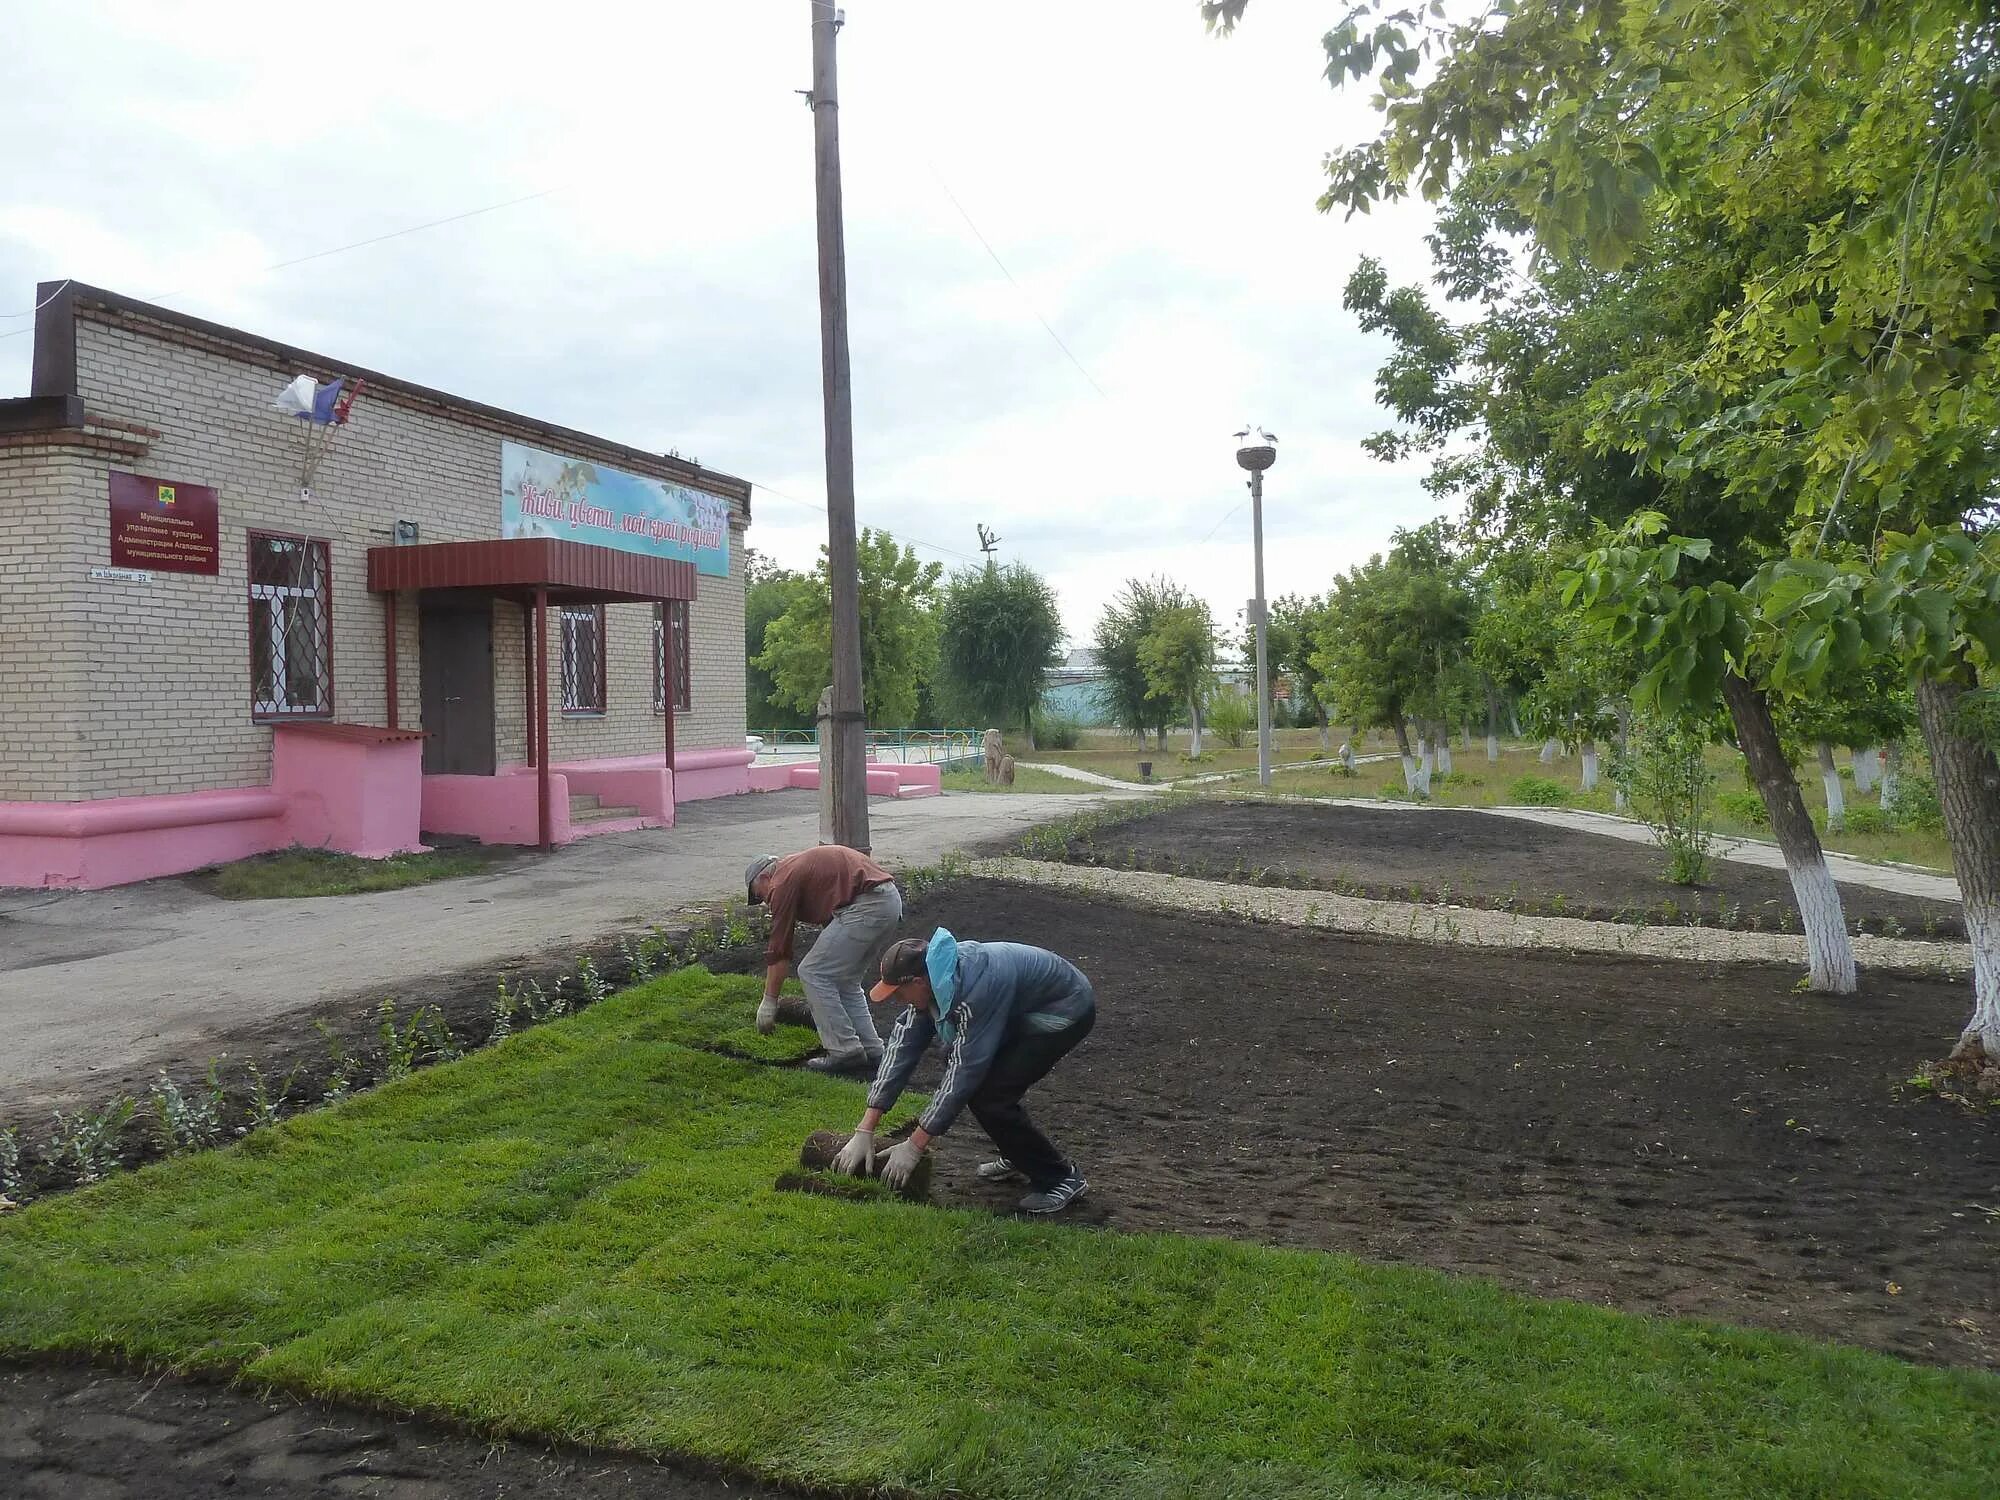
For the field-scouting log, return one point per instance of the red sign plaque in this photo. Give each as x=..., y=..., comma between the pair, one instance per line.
x=164, y=526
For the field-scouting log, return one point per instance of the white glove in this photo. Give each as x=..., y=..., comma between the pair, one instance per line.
x=900, y=1163
x=858, y=1155
x=767, y=1015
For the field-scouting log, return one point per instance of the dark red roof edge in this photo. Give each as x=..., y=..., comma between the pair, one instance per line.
x=55, y=375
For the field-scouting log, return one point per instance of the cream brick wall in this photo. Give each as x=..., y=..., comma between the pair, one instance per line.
x=113, y=689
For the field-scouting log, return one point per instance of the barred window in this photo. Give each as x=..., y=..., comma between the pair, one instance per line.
x=677, y=611
x=291, y=628
x=583, y=658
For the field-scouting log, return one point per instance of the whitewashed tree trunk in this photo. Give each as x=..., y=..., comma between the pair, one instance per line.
x=1866, y=768
x=1829, y=951
x=1194, y=726
x=1590, y=765
x=1492, y=748
x=1444, y=751
x=1968, y=781
x=1836, y=795
x=1514, y=720
x=1409, y=773
x=1549, y=748
x=1465, y=736
x=1892, y=773
x=1325, y=735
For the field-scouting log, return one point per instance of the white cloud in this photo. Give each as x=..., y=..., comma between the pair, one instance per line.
x=1151, y=190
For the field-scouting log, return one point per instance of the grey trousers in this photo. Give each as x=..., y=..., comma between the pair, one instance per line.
x=832, y=972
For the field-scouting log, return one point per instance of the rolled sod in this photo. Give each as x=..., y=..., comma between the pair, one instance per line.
x=823, y=1145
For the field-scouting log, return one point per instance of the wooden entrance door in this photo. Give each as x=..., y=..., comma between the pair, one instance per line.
x=455, y=643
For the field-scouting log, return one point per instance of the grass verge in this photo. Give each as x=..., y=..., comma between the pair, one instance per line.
x=575, y=1234
x=1026, y=779
x=293, y=873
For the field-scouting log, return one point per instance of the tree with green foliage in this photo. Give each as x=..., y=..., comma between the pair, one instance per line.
x=1177, y=654
x=1291, y=639
x=768, y=591
x=1130, y=698
x=899, y=643
x=1850, y=389
x=999, y=633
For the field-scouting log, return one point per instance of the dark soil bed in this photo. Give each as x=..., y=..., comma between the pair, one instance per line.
x=1476, y=859
x=82, y=1434
x=1673, y=1138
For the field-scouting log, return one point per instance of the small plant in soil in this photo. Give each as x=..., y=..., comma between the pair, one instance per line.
x=401, y=1042
x=590, y=985
x=10, y=1164
x=1558, y=904
x=438, y=1037
x=543, y=1005
x=1930, y=924
x=1892, y=928
x=638, y=959
x=505, y=1003
x=187, y=1120
x=266, y=1104
x=342, y=1067
x=87, y=1144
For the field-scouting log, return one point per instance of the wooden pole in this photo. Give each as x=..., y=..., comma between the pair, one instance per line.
x=542, y=718
x=849, y=768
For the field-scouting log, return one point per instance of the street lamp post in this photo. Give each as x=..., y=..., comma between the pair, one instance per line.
x=1256, y=451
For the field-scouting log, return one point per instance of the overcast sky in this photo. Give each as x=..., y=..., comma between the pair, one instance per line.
x=1150, y=188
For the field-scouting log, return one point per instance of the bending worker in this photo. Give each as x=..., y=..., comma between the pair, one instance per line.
x=1007, y=1013
x=855, y=902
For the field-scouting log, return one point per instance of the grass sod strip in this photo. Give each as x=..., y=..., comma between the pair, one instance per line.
x=575, y=1235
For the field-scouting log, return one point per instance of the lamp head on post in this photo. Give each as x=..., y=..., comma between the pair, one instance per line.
x=1256, y=449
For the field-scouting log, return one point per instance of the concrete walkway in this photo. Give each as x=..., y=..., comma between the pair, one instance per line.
x=96, y=984
x=1077, y=773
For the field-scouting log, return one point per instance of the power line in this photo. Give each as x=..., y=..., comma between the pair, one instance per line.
x=284, y=265
x=1069, y=354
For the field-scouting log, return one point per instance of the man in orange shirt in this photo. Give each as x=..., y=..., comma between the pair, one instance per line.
x=856, y=904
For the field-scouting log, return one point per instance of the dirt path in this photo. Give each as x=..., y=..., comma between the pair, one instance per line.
x=85, y=1434
x=1677, y=1138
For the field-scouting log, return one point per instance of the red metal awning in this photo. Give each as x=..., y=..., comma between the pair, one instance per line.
x=516, y=567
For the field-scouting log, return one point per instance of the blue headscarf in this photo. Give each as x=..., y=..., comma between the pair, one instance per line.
x=941, y=963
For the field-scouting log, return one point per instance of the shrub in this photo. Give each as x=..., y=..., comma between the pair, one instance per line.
x=1458, y=778
x=1744, y=807
x=1231, y=716
x=1057, y=731
x=1666, y=778
x=1538, y=791
x=1866, y=820
x=1916, y=804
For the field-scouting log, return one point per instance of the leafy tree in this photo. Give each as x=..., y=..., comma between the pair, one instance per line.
x=1291, y=641
x=768, y=591
x=898, y=633
x=1177, y=654
x=1129, y=695
x=999, y=633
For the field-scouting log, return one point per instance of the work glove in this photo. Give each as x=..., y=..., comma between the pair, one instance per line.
x=900, y=1163
x=767, y=1014
x=857, y=1156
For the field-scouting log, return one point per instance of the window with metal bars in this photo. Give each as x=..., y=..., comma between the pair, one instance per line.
x=291, y=627
x=677, y=611
x=583, y=659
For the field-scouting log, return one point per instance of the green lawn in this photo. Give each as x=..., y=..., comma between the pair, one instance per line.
x=1119, y=755
x=324, y=872
x=1026, y=779
x=1481, y=783
x=575, y=1235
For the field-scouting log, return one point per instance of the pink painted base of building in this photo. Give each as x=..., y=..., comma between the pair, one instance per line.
x=884, y=779
x=353, y=788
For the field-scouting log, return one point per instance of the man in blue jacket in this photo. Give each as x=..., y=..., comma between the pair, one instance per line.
x=1006, y=1013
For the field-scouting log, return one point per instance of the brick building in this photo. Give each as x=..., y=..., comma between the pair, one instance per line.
x=202, y=657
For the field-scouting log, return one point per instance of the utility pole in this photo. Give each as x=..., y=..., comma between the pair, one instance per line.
x=988, y=542
x=1257, y=450
x=847, y=765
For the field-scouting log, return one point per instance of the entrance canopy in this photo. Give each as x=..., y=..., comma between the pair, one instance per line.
x=522, y=567
x=534, y=572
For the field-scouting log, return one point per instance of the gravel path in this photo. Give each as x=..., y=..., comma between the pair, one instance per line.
x=1468, y=926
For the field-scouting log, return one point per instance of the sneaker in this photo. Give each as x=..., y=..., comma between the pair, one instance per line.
x=842, y=1064
x=1057, y=1198
x=998, y=1170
